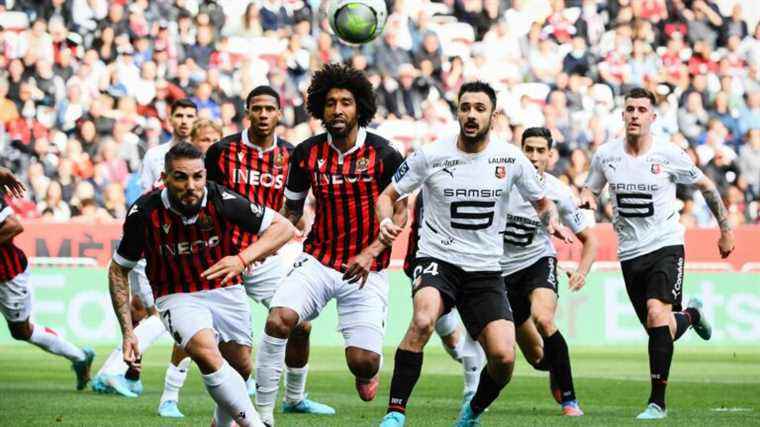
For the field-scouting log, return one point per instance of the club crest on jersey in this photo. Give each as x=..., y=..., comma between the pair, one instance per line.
x=656, y=168
x=166, y=228
x=501, y=172
x=278, y=160
x=362, y=164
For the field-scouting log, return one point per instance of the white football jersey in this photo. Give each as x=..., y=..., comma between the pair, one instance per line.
x=525, y=238
x=465, y=198
x=153, y=165
x=643, y=193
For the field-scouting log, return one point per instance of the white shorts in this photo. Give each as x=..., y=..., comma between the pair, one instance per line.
x=362, y=313
x=140, y=286
x=261, y=280
x=15, y=298
x=225, y=310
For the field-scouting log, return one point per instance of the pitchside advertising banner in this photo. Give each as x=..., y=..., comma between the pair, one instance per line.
x=75, y=302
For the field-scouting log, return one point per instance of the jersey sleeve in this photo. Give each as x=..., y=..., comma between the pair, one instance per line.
x=5, y=210
x=596, y=180
x=213, y=172
x=572, y=217
x=391, y=162
x=251, y=217
x=682, y=168
x=131, y=247
x=298, y=183
x=411, y=173
x=527, y=181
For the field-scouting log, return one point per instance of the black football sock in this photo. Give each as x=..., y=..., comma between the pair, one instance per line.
x=488, y=391
x=406, y=372
x=560, y=365
x=660, y=356
x=683, y=321
x=132, y=373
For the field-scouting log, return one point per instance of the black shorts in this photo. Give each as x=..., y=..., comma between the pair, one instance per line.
x=541, y=274
x=478, y=295
x=657, y=275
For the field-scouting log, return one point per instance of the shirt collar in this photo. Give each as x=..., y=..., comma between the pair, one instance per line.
x=361, y=136
x=247, y=142
x=168, y=205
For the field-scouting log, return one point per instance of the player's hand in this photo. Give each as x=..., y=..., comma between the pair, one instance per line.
x=559, y=231
x=388, y=232
x=358, y=269
x=10, y=184
x=588, y=200
x=130, y=350
x=726, y=243
x=227, y=267
x=576, y=280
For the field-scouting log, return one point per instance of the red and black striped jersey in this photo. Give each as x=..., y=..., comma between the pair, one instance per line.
x=260, y=175
x=178, y=249
x=345, y=187
x=12, y=259
x=414, y=237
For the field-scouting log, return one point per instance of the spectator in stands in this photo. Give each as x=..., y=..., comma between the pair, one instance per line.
x=53, y=200
x=692, y=118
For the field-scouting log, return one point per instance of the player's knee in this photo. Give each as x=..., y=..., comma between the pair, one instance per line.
x=280, y=324
x=20, y=331
x=422, y=325
x=503, y=358
x=302, y=330
x=657, y=313
x=362, y=363
x=243, y=366
x=544, y=323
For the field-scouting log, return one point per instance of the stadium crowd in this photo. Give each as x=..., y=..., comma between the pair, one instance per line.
x=86, y=84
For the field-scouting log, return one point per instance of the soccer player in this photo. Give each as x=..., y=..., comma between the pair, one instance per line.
x=346, y=168
x=465, y=184
x=184, y=233
x=642, y=172
x=529, y=267
x=115, y=376
x=255, y=163
x=454, y=338
x=15, y=297
x=204, y=134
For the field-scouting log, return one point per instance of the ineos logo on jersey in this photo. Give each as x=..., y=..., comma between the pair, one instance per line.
x=485, y=193
x=189, y=248
x=253, y=177
x=330, y=179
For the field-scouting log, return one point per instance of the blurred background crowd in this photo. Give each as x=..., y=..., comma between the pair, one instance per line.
x=86, y=84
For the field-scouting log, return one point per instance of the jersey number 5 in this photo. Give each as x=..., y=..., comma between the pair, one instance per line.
x=640, y=209
x=486, y=218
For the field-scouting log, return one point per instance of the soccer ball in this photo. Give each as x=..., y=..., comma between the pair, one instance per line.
x=357, y=21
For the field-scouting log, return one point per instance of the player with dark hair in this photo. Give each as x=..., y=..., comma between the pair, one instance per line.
x=345, y=168
x=529, y=267
x=255, y=163
x=15, y=296
x=642, y=172
x=184, y=233
x=465, y=183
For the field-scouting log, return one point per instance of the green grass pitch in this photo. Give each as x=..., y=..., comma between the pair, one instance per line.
x=716, y=386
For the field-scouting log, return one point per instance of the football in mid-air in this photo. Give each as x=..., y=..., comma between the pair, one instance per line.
x=357, y=21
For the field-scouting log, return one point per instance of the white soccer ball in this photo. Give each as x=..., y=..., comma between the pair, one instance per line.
x=357, y=21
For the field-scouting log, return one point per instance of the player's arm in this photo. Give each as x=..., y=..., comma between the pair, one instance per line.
x=124, y=259
x=574, y=218
x=211, y=161
x=595, y=182
x=10, y=227
x=10, y=184
x=715, y=203
x=147, y=177
x=274, y=231
x=407, y=177
x=297, y=186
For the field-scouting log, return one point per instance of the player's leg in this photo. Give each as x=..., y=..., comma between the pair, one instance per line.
x=462, y=348
x=174, y=379
x=16, y=306
x=300, y=296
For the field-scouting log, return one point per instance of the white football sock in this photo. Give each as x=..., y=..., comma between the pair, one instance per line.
x=221, y=417
x=269, y=361
x=48, y=340
x=227, y=388
x=114, y=365
x=472, y=363
x=175, y=378
x=456, y=353
x=295, y=384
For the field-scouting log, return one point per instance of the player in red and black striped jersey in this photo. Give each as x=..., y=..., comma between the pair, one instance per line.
x=15, y=297
x=255, y=163
x=184, y=233
x=345, y=168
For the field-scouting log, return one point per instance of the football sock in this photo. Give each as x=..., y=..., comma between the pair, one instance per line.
x=48, y=340
x=133, y=374
x=114, y=365
x=660, y=356
x=221, y=417
x=295, y=384
x=472, y=363
x=174, y=379
x=269, y=361
x=148, y=331
x=560, y=364
x=228, y=390
x=406, y=372
x=683, y=321
x=488, y=391
x=456, y=352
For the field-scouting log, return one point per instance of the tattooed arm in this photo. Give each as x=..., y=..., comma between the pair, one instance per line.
x=549, y=216
x=118, y=285
x=718, y=209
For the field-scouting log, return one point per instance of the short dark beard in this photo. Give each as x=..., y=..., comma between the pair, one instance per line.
x=186, y=211
x=479, y=137
x=340, y=135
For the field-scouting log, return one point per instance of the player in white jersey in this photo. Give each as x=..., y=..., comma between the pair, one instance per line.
x=115, y=376
x=465, y=184
x=529, y=267
x=642, y=172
